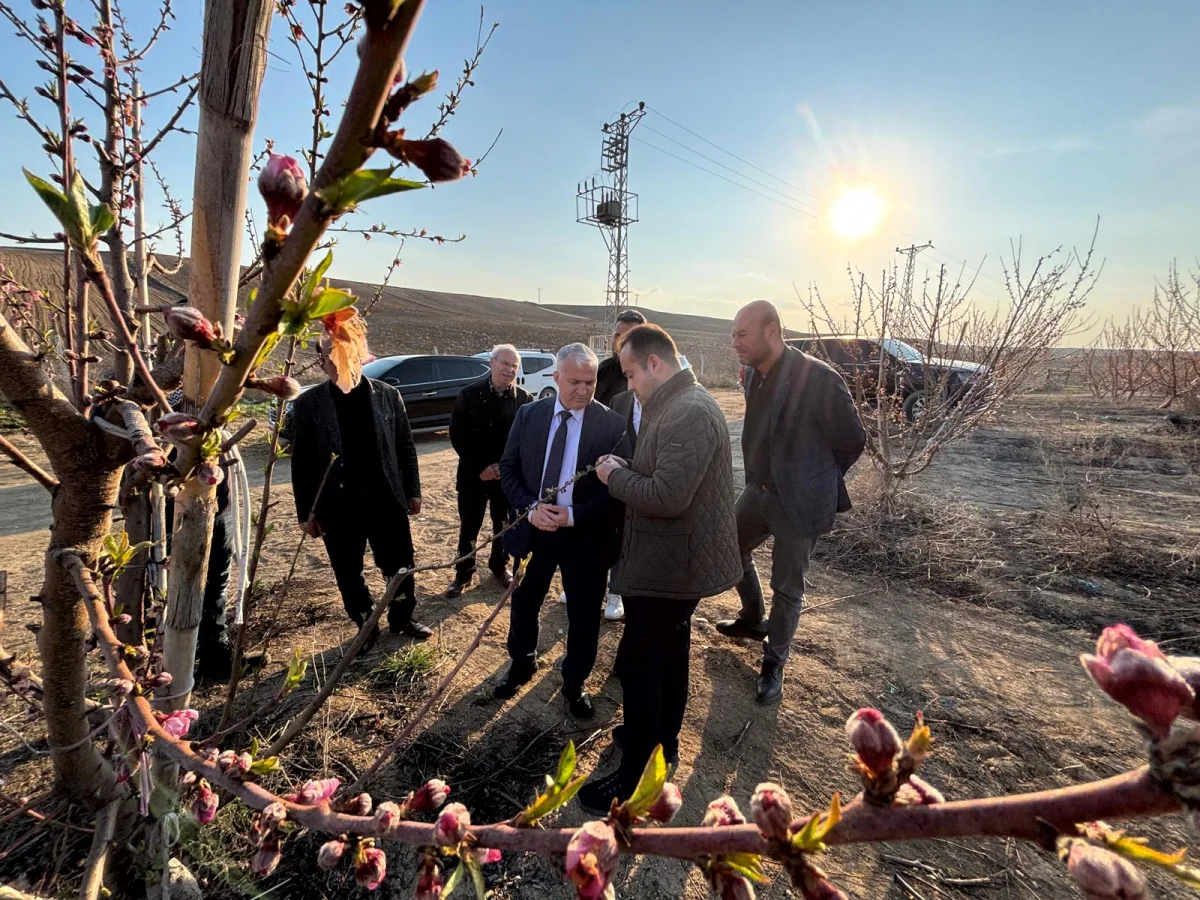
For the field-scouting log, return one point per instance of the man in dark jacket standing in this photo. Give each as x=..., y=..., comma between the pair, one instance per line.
x=610, y=380
x=571, y=529
x=479, y=426
x=800, y=436
x=679, y=545
x=372, y=488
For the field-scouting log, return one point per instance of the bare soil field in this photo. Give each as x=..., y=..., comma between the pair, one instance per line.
x=1058, y=518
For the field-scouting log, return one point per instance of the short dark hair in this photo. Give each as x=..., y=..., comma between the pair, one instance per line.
x=631, y=315
x=650, y=340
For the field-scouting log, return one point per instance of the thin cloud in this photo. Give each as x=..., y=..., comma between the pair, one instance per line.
x=1172, y=121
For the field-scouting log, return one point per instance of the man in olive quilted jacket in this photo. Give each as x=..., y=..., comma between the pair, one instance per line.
x=679, y=545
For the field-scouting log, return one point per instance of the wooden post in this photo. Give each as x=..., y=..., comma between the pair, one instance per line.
x=234, y=60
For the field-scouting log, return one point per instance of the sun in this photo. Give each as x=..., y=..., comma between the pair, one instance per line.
x=857, y=213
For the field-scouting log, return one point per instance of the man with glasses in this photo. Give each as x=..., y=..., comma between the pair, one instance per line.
x=479, y=425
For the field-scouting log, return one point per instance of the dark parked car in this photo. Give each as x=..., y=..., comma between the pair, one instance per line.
x=428, y=384
x=908, y=374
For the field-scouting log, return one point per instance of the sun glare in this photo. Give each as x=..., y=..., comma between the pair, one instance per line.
x=857, y=213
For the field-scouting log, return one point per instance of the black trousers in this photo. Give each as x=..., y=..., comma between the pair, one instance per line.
x=347, y=526
x=654, y=657
x=472, y=502
x=583, y=575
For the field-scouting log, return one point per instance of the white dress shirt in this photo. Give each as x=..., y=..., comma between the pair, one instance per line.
x=637, y=414
x=574, y=426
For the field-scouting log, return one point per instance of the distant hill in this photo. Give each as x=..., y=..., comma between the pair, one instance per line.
x=413, y=320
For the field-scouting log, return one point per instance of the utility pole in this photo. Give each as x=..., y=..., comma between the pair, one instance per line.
x=610, y=206
x=911, y=252
x=539, y=296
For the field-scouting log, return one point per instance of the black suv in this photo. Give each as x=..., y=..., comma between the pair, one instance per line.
x=428, y=384
x=908, y=374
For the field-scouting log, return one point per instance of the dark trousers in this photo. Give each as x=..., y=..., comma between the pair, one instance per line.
x=212, y=641
x=472, y=502
x=583, y=577
x=654, y=677
x=347, y=527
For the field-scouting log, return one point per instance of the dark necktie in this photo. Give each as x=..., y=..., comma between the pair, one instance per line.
x=558, y=449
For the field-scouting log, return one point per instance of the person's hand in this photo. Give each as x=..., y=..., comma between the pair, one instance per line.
x=414, y=506
x=312, y=528
x=541, y=519
x=607, y=465
x=560, y=515
x=491, y=473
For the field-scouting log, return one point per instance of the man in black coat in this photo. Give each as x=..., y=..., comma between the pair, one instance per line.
x=610, y=380
x=800, y=436
x=572, y=530
x=371, y=490
x=479, y=426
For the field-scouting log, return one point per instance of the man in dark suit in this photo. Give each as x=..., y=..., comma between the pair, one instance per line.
x=627, y=404
x=572, y=529
x=479, y=426
x=372, y=488
x=800, y=436
x=610, y=380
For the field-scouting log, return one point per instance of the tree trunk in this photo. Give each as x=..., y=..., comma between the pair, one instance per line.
x=234, y=60
x=132, y=587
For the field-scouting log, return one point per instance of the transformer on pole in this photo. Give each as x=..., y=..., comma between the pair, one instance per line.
x=607, y=204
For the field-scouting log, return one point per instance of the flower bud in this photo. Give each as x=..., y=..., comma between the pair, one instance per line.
x=357, y=806
x=430, y=883
x=452, y=825
x=485, y=855
x=272, y=817
x=210, y=473
x=370, y=868
x=242, y=763
x=186, y=323
x=424, y=83
x=283, y=187
x=771, y=809
x=277, y=386
x=1102, y=875
x=918, y=792
x=592, y=857
x=874, y=740
x=431, y=795
x=723, y=811
x=315, y=792
x=226, y=759
x=177, y=426
x=122, y=619
x=668, y=803
x=267, y=857
x=730, y=885
x=205, y=803
x=151, y=461
x=330, y=854
x=122, y=687
x=436, y=158
x=815, y=886
x=1136, y=674
x=161, y=680
x=387, y=817
x=178, y=722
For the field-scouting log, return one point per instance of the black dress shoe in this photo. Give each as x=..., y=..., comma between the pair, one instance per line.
x=217, y=666
x=618, y=738
x=458, y=585
x=578, y=701
x=741, y=628
x=503, y=577
x=596, y=797
x=513, y=682
x=412, y=629
x=770, y=683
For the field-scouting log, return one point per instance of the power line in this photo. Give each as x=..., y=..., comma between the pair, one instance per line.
x=737, y=184
x=733, y=170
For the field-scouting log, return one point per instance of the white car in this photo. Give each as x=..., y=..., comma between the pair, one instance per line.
x=536, y=374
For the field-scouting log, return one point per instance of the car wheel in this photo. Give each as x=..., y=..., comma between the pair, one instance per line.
x=546, y=393
x=914, y=406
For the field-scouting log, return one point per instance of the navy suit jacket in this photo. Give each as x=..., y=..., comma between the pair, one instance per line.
x=521, y=466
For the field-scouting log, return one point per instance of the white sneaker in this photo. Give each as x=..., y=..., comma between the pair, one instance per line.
x=561, y=598
x=614, y=609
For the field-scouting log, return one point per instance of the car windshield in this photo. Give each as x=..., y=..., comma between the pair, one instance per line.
x=378, y=367
x=903, y=350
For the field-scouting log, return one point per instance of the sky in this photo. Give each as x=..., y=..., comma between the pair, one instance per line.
x=979, y=124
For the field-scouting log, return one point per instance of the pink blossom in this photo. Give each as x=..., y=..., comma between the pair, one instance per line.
x=178, y=722
x=358, y=806
x=387, y=816
x=485, y=855
x=205, y=803
x=918, y=792
x=177, y=426
x=1144, y=683
x=186, y=323
x=771, y=809
x=267, y=857
x=1102, y=875
x=283, y=187
x=430, y=883
x=315, y=792
x=668, y=803
x=272, y=817
x=592, y=858
x=371, y=868
x=873, y=739
x=723, y=811
x=1122, y=637
x=210, y=473
x=452, y=825
x=431, y=795
x=330, y=854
